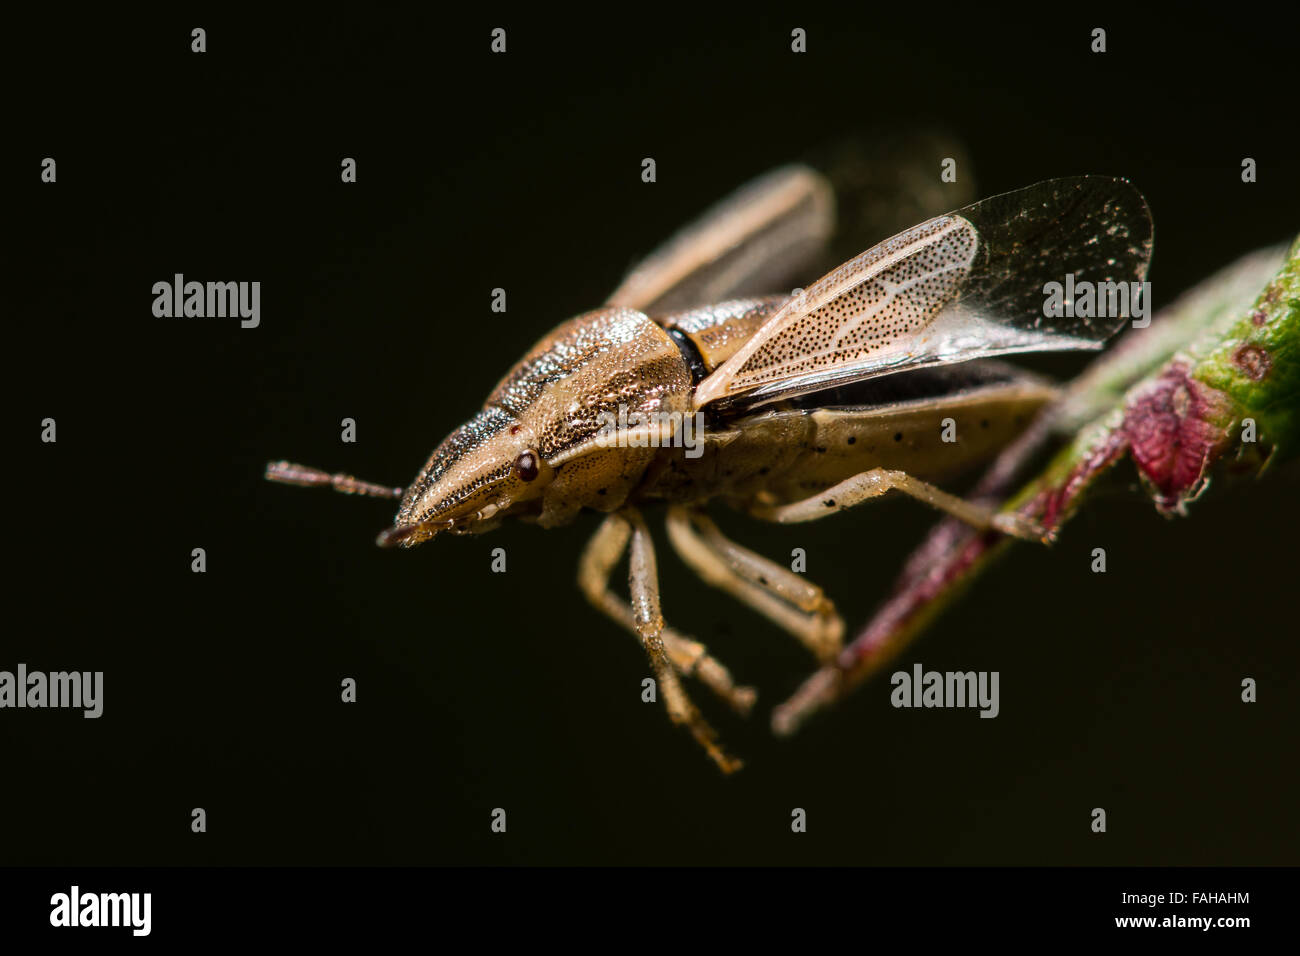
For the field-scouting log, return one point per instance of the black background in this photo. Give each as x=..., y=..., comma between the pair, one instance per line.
x=479, y=690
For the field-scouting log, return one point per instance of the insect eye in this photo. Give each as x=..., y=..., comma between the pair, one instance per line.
x=526, y=466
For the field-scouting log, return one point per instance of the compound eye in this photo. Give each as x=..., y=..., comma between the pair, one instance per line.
x=526, y=466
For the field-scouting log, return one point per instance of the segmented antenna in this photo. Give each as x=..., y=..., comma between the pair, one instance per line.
x=288, y=473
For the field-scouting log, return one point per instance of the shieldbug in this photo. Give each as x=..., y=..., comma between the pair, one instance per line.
x=801, y=405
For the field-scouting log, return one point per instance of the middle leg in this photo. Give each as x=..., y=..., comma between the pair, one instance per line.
x=688, y=656
x=777, y=593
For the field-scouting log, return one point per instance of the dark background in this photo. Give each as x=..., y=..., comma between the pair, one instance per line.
x=480, y=690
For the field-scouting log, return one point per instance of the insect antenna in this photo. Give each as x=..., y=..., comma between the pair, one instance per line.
x=288, y=473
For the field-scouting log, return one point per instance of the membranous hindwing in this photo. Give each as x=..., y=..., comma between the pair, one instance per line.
x=958, y=287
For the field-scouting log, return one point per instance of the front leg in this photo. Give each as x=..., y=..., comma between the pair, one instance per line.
x=686, y=656
x=643, y=581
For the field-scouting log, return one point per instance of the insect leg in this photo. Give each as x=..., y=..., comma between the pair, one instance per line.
x=877, y=481
x=777, y=593
x=643, y=582
x=689, y=657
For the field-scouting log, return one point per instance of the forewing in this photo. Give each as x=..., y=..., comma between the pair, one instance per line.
x=750, y=243
x=966, y=285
